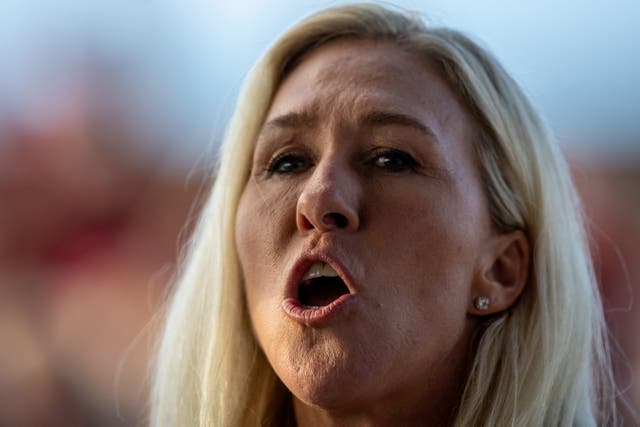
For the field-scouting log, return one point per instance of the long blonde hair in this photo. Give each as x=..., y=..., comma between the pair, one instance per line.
x=543, y=362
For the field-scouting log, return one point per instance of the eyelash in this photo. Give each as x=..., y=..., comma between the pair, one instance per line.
x=278, y=161
x=408, y=163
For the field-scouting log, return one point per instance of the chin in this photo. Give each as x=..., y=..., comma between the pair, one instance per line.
x=327, y=377
x=332, y=394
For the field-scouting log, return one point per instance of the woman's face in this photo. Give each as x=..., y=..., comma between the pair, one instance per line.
x=364, y=168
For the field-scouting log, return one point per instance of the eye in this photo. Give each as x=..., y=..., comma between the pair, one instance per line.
x=393, y=160
x=288, y=163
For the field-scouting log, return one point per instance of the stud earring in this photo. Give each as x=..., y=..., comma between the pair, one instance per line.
x=481, y=303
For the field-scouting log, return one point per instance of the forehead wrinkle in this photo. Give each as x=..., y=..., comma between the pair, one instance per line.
x=348, y=85
x=317, y=114
x=366, y=84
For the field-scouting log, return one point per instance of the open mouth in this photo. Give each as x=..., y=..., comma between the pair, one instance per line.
x=320, y=286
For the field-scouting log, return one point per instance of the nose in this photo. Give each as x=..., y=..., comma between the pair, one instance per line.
x=330, y=199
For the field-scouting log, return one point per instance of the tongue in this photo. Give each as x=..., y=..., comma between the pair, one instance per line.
x=321, y=291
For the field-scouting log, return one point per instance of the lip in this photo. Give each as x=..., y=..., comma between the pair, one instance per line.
x=316, y=316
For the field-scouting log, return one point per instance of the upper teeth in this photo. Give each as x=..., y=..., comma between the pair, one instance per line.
x=319, y=269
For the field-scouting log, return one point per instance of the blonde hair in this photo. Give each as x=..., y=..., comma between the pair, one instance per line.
x=543, y=362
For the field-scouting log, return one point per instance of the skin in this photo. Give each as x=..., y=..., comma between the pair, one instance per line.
x=366, y=155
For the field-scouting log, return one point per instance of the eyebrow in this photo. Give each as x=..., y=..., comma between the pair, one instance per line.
x=388, y=118
x=308, y=119
x=293, y=120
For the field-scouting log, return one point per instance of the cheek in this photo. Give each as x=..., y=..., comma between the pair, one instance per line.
x=265, y=212
x=262, y=222
x=247, y=236
x=249, y=241
x=439, y=241
x=259, y=221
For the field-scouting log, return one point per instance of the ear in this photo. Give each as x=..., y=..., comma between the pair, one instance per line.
x=502, y=273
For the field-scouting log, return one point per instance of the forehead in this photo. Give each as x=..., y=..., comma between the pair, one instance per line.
x=368, y=60
x=351, y=76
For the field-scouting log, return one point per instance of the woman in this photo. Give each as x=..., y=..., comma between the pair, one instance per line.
x=393, y=237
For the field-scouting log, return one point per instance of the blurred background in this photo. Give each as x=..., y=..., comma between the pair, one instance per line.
x=110, y=115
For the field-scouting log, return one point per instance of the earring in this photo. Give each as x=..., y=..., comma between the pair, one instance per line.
x=481, y=303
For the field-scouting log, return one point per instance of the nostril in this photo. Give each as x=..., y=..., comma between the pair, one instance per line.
x=304, y=223
x=335, y=219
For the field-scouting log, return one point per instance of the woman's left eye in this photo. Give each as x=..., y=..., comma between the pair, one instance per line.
x=394, y=161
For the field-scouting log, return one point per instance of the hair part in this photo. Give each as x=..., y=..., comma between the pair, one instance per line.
x=545, y=361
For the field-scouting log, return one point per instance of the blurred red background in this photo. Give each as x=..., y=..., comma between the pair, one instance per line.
x=89, y=222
